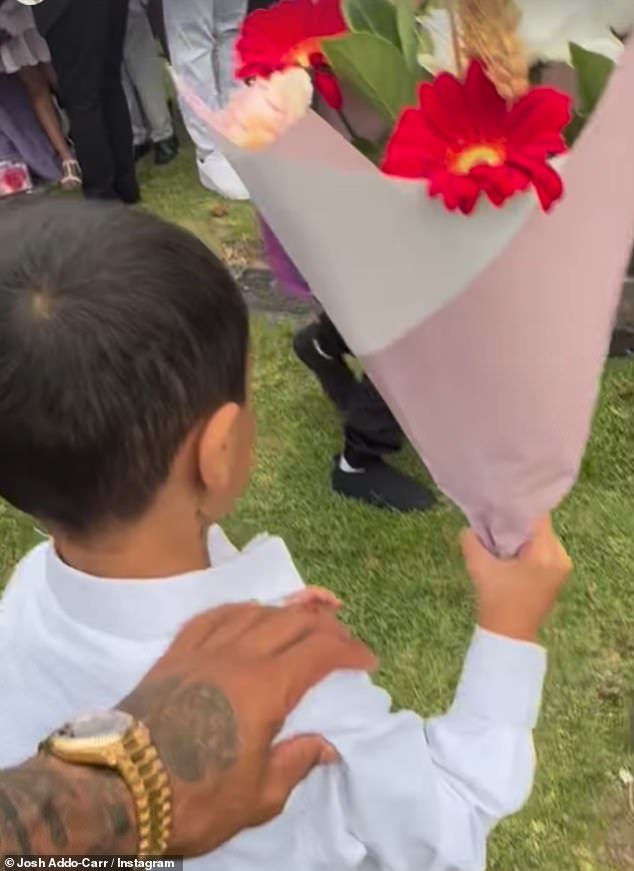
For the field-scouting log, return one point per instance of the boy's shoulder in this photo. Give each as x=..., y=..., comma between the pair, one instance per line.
x=265, y=569
x=26, y=576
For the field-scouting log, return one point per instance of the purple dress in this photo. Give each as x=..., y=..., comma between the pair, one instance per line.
x=24, y=46
x=21, y=136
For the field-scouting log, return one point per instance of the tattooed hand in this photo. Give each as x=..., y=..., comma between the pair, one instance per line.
x=214, y=704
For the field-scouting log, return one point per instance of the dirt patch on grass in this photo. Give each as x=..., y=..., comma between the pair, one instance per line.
x=618, y=851
x=263, y=296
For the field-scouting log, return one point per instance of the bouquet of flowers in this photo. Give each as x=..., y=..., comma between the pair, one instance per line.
x=469, y=258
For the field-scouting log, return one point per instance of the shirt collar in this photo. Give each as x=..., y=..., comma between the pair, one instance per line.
x=149, y=609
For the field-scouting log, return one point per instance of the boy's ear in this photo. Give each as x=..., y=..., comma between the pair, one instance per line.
x=217, y=446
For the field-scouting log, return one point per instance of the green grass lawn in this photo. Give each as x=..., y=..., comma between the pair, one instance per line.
x=406, y=593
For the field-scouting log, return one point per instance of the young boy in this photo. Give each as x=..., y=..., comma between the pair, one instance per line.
x=126, y=428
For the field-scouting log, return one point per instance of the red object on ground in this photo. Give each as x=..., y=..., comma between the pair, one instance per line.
x=14, y=179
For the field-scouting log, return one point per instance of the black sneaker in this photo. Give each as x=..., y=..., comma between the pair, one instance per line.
x=141, y=150
x=165, y=151
x=333, y=374
x=382, y=486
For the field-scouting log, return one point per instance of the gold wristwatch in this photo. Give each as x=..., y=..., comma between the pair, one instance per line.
x=114, y=739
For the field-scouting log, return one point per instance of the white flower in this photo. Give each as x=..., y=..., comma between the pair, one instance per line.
x=547, y=29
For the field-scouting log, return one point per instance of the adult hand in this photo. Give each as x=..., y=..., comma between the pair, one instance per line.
x=215, y=703
x=516, y=596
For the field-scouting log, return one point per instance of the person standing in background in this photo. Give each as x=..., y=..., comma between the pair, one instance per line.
x=157, y=23
x=144, y=85
x=23, y=144
x=86, y=44
x=24, y=53
x=370, y=430
x=201, y=35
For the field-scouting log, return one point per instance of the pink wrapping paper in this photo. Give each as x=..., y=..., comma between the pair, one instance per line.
x=487, y=335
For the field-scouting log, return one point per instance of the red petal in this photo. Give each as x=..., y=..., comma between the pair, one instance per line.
x=540, y=116
x=328, y=86
x=500, y=183
x=268, y=36
x=458, y=191
x=414, y=151
x=546, y=181
x=538, y=149
x=445, y=110
x=487, y=109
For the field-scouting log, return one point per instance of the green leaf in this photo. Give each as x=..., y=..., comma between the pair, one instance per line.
x=406, y=25
x=574, y=129
x=372, y=16
x=593, y=73
x=376, y=68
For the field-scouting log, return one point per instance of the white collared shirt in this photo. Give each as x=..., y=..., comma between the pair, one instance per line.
x=408, y=794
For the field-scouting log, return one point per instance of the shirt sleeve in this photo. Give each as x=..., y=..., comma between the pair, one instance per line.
x=410, y=794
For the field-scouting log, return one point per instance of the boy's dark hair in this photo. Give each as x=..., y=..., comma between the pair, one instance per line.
x=118, y=334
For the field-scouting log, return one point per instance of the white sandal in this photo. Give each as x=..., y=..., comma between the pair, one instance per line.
x=71, y=175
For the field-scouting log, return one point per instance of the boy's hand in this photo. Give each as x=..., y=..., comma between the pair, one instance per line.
x=315, y=596
x=516, y=596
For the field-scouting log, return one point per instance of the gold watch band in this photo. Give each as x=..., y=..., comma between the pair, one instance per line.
x=145, y=776
x=128, y=749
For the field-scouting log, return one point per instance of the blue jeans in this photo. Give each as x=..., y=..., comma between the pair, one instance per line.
x=201, y=35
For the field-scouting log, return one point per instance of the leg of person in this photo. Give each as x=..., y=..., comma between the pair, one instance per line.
x=145, y=73
x=228, y=18
x=157, y=23
x=77, y=41
x=115, y=106
x=191, y=38
x=140, y=138
x=371, y=432
x=37, y=86
x=321, y=348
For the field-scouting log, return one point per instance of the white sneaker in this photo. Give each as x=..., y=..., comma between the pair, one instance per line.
x=217, y=175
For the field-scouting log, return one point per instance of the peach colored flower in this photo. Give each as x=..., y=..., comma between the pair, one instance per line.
x=264, y=110
x=259, y=113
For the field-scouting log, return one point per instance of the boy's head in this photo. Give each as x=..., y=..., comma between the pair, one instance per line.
x=123, y=368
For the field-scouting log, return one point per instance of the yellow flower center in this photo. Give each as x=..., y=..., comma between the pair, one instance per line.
x=476, y=155
x=301, y=53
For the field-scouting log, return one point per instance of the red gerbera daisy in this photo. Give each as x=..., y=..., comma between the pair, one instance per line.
x=289, y=34
x=465, y=139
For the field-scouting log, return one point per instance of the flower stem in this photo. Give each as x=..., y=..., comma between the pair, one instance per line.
x=352, y=133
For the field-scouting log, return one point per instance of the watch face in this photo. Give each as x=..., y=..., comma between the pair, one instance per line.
x=106, y=726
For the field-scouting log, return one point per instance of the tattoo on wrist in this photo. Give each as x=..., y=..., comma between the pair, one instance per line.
x=50, y=807
x=47, y=806
x=172, y=709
